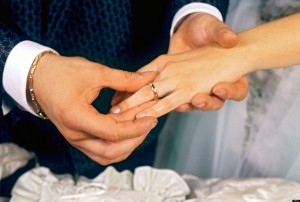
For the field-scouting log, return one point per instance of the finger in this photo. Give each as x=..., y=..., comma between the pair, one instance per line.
x=112, y=161
x=73, y=135
x=90, y=121
x=125, y=81
x=141, y=96
x=184, y=108
x=206, y=102
x=105, y=152
x=131, y=113
x=156, y=64
x=119, y=96
x=163, y=106
x=232, y=91
x=224, y=35
x=218, y=103
x=144, y=95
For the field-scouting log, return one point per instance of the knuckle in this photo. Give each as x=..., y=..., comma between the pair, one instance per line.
x=114, y=135
x=198, y=100
x=127, y=75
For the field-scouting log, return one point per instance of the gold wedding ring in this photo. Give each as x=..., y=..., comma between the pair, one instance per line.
x=154, y=90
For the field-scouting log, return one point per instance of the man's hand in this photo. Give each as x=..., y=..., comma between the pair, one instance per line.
x=201, y=29
x=65, y=87
x=196, y=31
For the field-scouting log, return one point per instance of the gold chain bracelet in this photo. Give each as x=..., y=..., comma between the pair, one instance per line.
x=34, y=64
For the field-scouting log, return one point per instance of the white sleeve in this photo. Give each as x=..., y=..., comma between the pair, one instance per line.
x=193, y=8
x=15, y=74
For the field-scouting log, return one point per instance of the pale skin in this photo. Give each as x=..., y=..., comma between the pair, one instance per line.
x=181, y=76
x=185, y=39
x=65, y=87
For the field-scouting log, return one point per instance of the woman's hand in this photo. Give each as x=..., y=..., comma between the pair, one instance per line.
x=196, y=31
x=182, y=76
x=199, y=30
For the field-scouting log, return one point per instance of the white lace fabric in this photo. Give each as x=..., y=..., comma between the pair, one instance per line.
x=244, y=190
x=12, y=158
x=146, y=184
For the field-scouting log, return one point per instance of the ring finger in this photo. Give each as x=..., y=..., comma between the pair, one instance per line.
x=145, y=94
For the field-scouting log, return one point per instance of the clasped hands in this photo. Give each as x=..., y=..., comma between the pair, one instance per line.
x=66, y=87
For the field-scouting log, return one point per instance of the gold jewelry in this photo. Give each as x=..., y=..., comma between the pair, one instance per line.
x=154, y=90
x=36, y=105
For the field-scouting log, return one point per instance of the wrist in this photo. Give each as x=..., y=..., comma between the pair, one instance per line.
x=15, y=73
x=32, y=80
x=247, y=52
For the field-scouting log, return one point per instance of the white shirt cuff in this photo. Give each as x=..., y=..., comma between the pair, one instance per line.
x=194, y=8
x=15, y=74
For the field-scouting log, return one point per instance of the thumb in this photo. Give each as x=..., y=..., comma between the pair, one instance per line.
x=126, y=81
x=224, y=35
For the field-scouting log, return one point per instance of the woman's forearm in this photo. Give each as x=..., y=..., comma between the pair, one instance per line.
x=272, y=45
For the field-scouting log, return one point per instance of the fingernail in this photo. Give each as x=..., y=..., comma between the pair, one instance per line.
x=115, y=110
x=201, y=105
x=220, y=92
